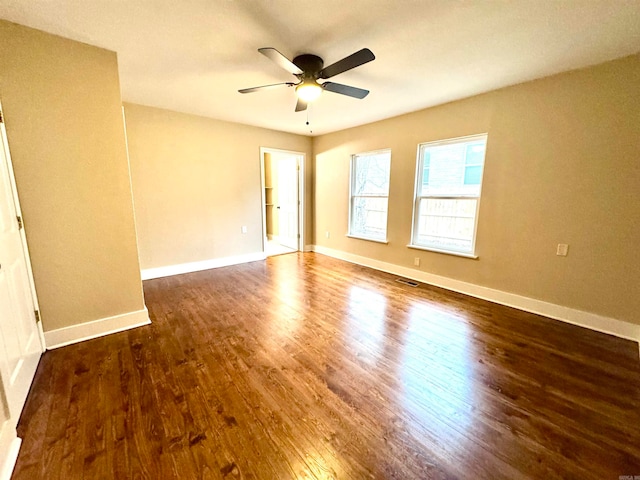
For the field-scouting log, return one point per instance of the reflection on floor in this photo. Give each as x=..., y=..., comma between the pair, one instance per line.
x=274, y=248
x=307, y=367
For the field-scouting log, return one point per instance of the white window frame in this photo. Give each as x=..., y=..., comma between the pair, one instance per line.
x=418, y=197
x=352, y=196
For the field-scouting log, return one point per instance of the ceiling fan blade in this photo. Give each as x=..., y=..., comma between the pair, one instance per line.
x=301, y=105
x=263, y=87
x=352, y=61
x=275, y=56
x=345, y=90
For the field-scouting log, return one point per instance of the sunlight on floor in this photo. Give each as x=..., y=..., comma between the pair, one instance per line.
x=274, y=248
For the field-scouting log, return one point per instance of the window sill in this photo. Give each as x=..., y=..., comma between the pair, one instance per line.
x=368, y=239
x=446, y=252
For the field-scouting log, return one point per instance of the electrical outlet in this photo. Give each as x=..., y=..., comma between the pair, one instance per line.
x=416, y=261
x=562, y=249
x=244, y=229
x=327, y=234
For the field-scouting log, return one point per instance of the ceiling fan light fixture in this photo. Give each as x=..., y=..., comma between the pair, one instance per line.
x=308, y=91
x=309, y=68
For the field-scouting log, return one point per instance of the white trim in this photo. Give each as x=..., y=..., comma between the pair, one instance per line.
x=446, y=252
x=9, y=449
x=418, y=196
x=368, y=239
x=353, y=167
x=593, y=321
x=302, y=168
x=169, y=270
x=96, y=328
x=263, y=200
x=302, y=162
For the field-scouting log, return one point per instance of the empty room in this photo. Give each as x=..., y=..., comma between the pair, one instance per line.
x=246, y=239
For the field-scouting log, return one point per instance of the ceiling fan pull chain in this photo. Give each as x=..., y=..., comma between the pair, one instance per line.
x=310, y=129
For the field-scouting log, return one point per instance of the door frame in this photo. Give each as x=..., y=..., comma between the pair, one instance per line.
x=23, y=236
x=301, y=191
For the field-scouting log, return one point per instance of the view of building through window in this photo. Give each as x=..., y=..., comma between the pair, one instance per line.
x=370, y=195
x=448, y=194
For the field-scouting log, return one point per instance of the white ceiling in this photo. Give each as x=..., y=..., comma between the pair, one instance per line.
x=193, y=55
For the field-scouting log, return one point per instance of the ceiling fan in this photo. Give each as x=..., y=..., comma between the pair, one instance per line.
x=308, y=69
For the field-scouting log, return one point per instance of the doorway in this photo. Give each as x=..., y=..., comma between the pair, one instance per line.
x=282, y=175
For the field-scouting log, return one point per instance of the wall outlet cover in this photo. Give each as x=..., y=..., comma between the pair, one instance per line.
x=562, y=249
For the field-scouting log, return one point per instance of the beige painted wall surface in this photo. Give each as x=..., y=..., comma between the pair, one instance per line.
x=62, y=107
x=562, y=166
x=196, y=182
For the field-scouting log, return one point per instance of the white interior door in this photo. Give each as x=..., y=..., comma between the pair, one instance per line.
x=20, y=346
x=288, y=201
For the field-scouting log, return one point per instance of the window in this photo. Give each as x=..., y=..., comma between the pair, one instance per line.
x=369, y=195
x=448, y=185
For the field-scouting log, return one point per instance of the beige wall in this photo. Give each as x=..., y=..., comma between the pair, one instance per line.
x=62, y=107
x=562, y=166
x=196, y=182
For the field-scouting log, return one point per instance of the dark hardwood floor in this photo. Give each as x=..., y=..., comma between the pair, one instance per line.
x=303, y=366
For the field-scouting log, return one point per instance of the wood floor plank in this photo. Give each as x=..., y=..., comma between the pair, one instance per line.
x=303, y=366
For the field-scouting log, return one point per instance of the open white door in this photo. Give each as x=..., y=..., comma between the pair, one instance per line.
x=20, y=342
x=288, y=201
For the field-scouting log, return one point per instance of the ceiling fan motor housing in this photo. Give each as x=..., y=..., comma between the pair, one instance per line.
x=309, y=64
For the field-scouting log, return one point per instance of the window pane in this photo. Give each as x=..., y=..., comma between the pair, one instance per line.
x=369, y=195
x=446, y=224
x=369, y=217
x=448, y=193
x=372, y=174
x=472, y=175
x=475, y=153
x=453, y=169
x=425, y=168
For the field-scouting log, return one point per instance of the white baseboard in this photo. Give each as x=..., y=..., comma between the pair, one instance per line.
x=9, y=449
x=96, y=328
x=150, y=273
x=599, y=323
